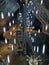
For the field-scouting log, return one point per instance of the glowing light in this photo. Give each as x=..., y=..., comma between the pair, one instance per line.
x=9, y=14
x=39, y=31
x=31, y=2
x=28, y=21
x=37, y=49
x=41, y=2
x=14, y=40
x=31, y=23
x=10, y=24
x=2, y=15
x=33, y=27
x=32, y=39
x=12, y=14
x=8, y=59
x=35, y=34
x=19, y=24
x=43, y=50
x=12, y=47
x=46, y=27
x=13, y=21
x=10, y=32
x=4, y=29
x=20, y=13
x=13, y=28
x=28, y=11
x=32, y=11
x=36, y=11
x=34, y=48
x=6, y=41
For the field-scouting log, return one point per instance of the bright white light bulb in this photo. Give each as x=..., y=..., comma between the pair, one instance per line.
x=29, y=12
x=14, y=41
x=36, y=11
x=32, y=11
x=12, y=47
x=8, y=59
x=20, y=14
x=39, y=31
x=13, y=21
x=34, y=48
x=2, y=15
x=5, y=40
x=46, y=27
x=4, y=29
x=12, y=14
x=10, y=32
x=41, y=2
x=37, y=49
x=9, y=14
x=43, y=50
x=30, y=1
x=31, y=22
x=35, y=34
x=10, y=24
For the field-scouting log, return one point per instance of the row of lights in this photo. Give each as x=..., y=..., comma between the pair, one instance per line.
x=11, y=23
x=43, y=49
x=6, y=41
x=4, y=28
x=9, y=14
x=20, y=18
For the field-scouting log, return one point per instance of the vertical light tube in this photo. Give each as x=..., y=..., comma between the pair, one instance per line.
x=43, y=50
